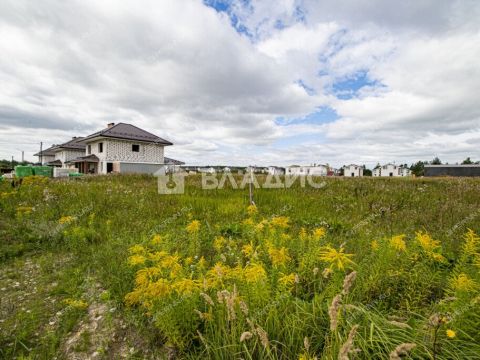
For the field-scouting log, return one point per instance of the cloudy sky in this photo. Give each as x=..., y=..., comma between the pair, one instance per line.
x=247, y=81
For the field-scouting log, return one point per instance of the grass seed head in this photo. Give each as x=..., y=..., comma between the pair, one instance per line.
x=402, y=349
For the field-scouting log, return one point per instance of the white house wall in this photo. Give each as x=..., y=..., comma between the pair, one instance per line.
x=66, y=155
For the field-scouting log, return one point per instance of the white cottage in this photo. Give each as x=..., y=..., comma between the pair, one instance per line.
x=121, y=148
x=313, y=170
x=66, y=152
x=352, y=170
x=275, y=170
x=391, y=170
x=46, y=156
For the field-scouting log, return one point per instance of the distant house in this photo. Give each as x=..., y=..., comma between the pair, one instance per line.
x=391, y=170
x=45, y=156
x=275, y=170
x=173, y=165
x=121, y=148
x=353, y=170
x=206, y=170
x=67, y=151
x=313, y=170
x=452, y=170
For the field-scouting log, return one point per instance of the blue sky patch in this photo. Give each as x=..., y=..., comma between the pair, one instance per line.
x=323, y=115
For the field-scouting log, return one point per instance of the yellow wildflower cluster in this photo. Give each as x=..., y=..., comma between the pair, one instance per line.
x=398, y=242
x=429, y=246
x=252, y=210
x=193, y=227
x=319, y=233
x=66, y=220
x=463, y=283
x=336, y=258
x=472, y=242
x=280, y=222
x=279, y=257
x=156, y=240
x=76, y=304
x=24, y=210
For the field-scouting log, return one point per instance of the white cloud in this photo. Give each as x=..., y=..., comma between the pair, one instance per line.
x=182, y=71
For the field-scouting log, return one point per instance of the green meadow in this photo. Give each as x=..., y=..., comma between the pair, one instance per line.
x=366, y=268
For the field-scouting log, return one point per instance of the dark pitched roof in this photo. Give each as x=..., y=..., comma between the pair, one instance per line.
x=128, y=132
x=75, y=144
x=88, y=158
x=173, y=161
x=46, y=152
x=55, y=163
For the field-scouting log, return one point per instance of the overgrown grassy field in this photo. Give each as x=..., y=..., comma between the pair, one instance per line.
x=105, y=267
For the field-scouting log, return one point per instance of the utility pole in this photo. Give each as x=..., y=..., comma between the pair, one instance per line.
x=41, y=155
x=23, y=159
x=12, y=161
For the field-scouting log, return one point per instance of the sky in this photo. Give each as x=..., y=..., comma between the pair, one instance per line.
x=244, y=82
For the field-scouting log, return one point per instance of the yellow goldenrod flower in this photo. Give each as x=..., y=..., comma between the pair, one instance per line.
x=254, y=273
x=252, y=210
x=287, y=280
x=261, y=225
x=66, y=220
x=426, y=242
x=77, y=304
x=302, y=234
x=463, y=283
x=451, y=334
x=219, y=242
x=156, y=240
x=248, y=222
x=136, y=260
x=136, y=249
x=188, y=260
x=472, y=241
x=279, y=256
x=398, y=243
x=146, y=275
x=193, y=227
x=335, y=258
x=280, y=221
x=202, y=263
x=248, y=250
x=318, y=233
x=157, y=255
x=186, y=286
x=374, y=244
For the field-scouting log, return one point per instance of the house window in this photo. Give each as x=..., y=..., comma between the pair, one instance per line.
x=100, y=147
x=89, y=149
x=135, y=148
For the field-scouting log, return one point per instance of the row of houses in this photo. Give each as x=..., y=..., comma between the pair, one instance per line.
x=352, y=170
x=120, y=148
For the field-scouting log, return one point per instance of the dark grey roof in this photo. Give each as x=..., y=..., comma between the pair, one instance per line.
x=173, y=161
x=55, y=163
x=75, y=144
x=46, y=152
x=88, y=158
x=128, y=132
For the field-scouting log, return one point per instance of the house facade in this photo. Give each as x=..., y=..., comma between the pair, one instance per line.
x=353, y=170
x=67, y=151
x=275, y=170
x=121, y=148
x=391, y=170
x=46, y=156
x=313, y=170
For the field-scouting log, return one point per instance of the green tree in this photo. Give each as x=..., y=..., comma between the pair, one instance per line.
x=467, y=161
x=418, y=169
x=436, y=161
